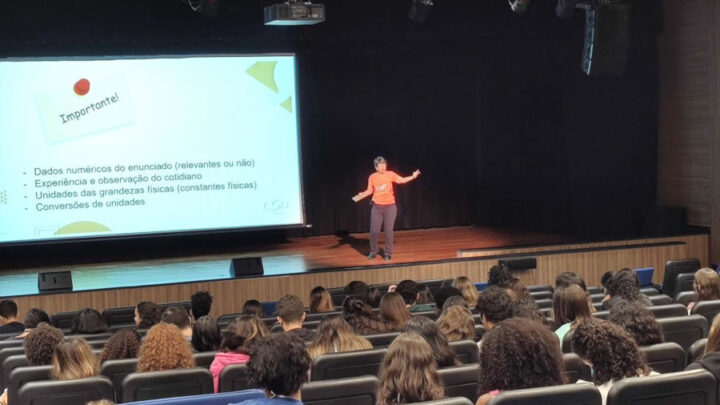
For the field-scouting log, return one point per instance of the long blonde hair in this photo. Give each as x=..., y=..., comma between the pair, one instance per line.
x=707, y=285
x=468, y=290
x=334, y=335
x=409, y=372
x=457, y=323
x=73, y=359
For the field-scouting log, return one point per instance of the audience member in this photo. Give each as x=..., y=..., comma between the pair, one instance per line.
x=568, y=278
x=457, y=323
x=625, y=285
x=710, y=360
x=637, y=320
x=468, y=290
x=334, y=335
x=443, y=294
x=706, y=284
x=73, y=359
x=164, y=348
x=124, y=344
x=425, y=327
x=200, y=304
x=147, y=314
x=500, y=276
x=291, y=315
x=33, y=318
x=40, y=344
x=88, y=322
x=425, y=299
x=205, y=334
x=409, y=373
x=375, y=294
x=179, y=317
x=253, y=307
x=357, y=289
x=321, y=301
x=237, y=340
x=570, y=308
x=361, y=317
x=8, y=317
x=393, y=311
x=494, y=306
x=453, y=301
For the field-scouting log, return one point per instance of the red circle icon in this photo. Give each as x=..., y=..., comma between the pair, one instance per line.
x=82, y=87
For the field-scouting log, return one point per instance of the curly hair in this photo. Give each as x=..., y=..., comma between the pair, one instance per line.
x=610, y=349
x=409, y=373
x=279, y=364
x=206, y=334
x=334, y=335
x=393, y=310
x=500, y=276
x=40, y=343
x=624, y=284
x=425, y=327
x=361, y=317
x=494, y=304
x=457, y=323
x=518, y=354
x=147, y=314
x=164, y=348
x=468, y=289
x=73, y=359
x=242, y=332
x=635, y=318
x=320, y=300
x=124, y=344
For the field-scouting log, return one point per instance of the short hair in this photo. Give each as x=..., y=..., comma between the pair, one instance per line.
x=408, y=289
x=40, y=344
x=357, y=288
x=495, y=304
x=88, y=321
x=149, y=313
x=34, y=317
x=289, y=308
x=279, y=363
x=177, y=316
x=378, y=161
x=253, y=307
x=568, y=278
x=206, y=334
x=200, y=304
x=124, y=344
x=8, y=309
x=443, y=294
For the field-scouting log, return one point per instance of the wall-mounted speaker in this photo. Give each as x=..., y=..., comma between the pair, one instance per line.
x=244, y=267
x=55, y=281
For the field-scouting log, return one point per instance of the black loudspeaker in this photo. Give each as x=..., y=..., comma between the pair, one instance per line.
x=519, y=263
x=244, y=267
x=55, y=281
x=607, y=39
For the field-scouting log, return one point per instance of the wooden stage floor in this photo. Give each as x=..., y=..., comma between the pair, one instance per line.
x=296, y=256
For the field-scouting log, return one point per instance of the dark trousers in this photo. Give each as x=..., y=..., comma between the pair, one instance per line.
x=379, y=215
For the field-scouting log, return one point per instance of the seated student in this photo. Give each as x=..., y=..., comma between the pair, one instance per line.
x=279, y=365
x=375, y=294
x=291, y=315
x=409, y=290
x=517, y=354
x=242, y=332
x=361, y=317
x=611, y=353
x=8, y=317
x=320, y=301
x=710, y=360
x=33, y=318
x=88, y=322
x=124, y=344
x=73, y=359
x=253, y=307
x=442, y=352
x=570, y=308
x=443, y=294
x=409, y=373
x=164, y=348
x=334, y=335
x=179, y=317
x=393, y=311
x=468, y=289
x=425, y=299
x=625, y=285
x=200, y=304
x=494, y=306
x=205, y=335
x=147, y=314
x=568, y=278
x=457, y=323
x=357, y=289
x=637, y=320
x=706, y=284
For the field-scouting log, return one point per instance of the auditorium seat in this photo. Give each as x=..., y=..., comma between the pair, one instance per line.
x=4, y=336
x=10, y=343
x=234, y=378
x=594, y=290
x=435, y=284
x=598, y=306
x=684, y=330
x=116, y=371
x=568, y=394
x=696, y=350
x=4, y=355
x=461, y=381
x=10, y=364
x=479, y=332
x=380, y=340
x=466, y=351
x=661, y=299
x=184, y=304
x=224, y=320
x=575, y=369
x=675, y=267
x=541, y=287
x=63, y=320
x=349, y=364
x=540, y=295
x=72, y=392
x=447, y=401
x=708, y=309
x=650, y=291
x=429, y=314
x=166, y=384
x=645, y=276
x=124, y=316
x=683, y=282
x=22, y=375
x=346, y=391
x=204, y=359
x=685, y=297
x=668, y=310
x=602, y=314
x=696, y=387
x=666, y=357
x=597, y=297
x=307, y=325
x=319, y=316
x=207, y=399
x=544, y=303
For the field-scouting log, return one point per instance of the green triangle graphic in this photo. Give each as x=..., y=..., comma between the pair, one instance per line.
x=287, y=104
x=264, y=72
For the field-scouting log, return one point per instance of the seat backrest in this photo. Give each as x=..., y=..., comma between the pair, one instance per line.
x=380, y=340
x=319, y=316
x=119, y=316
x=225, y=319
x=650, y=291
x=540, y=287
x=683, y=282
x=461, y=381
x=708, y=309
x=594, y=290
x=63, y=320
x=568, y=394
x=346, y=391
x=234, y=378
x=684, y=330
x=116, y=371
x=544, y=303
x=447, y=401
x=4, y=355
x=685, y=297
x=541, y=295
x=666, y=357
x=696, y=387
x=479, y=331
x=602, y=314
x=597, y=297
x=204, y=359
x=575, y=369
x=184, y=304
x=10, y=364
x=696, y=350
x=429, y=314
x=223, y=398
x=466, y=351
x=645, y=275
x=22, y=375
x=11, y=343
x=668, y=310
x=71, y=392
x=661, y=299
x=349, y=364
x=167, y=384
x=675, y=267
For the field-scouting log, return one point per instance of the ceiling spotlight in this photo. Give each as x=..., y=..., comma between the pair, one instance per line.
x=294, y=12
x=519, y=6
x=419, y=10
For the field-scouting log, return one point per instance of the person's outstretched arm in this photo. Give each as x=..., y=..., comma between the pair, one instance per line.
x=403, y=180
x=359, y=196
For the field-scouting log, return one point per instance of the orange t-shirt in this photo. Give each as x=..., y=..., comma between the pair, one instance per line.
x=381, y=186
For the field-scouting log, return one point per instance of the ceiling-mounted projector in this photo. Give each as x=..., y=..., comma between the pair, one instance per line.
x=294, y=13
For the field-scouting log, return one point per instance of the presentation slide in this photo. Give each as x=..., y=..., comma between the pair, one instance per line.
x=108, y=147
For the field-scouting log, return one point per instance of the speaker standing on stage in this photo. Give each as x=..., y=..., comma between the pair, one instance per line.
x=384, y=211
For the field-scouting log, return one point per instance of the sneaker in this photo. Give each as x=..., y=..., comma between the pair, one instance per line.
x=372, y=255
x=387, y=257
